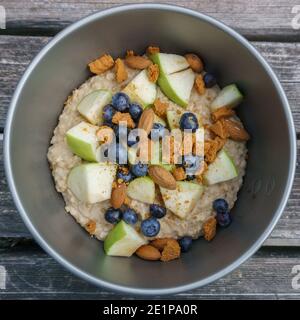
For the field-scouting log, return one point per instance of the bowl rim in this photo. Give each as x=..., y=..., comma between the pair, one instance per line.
x=51, y=251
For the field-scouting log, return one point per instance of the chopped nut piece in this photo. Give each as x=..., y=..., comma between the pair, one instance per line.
x=219, y=129
x=137, y=62
x=121, y=73
x=223, y=112
x=123, y=117
x=102, y=64
x=91, y=227
x=194, y=61
x=235, y=130
x=151, y=50
x=209, y=228
x=200, y=85
x=153, y=72
x=129, y=53
x=160, y=108
x=171, y=251
x=211, y=147
x=200, y=174
x=179, y=174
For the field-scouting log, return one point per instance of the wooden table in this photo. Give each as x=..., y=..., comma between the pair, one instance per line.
x=30, y=272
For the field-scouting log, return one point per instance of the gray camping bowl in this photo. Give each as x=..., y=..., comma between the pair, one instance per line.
x=61, y=66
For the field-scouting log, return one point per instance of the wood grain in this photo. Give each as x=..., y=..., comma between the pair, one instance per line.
x=33, y=274
x=270, y=19
x=286, y=233
x=17, y=52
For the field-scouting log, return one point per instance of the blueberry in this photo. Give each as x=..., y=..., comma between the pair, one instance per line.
x=124, y=174
x=224, y=219
x=133, y=138
x=220, y=205
x=121, y=132
x=209, y=80
x=185, y=243
x=150, y=227
x=188, y=121
x=157, y=211
x=120, y=101
x=158, y=131
x=118, y=154
x=135, y=111
x=108, y=113
x=121, y=154
x=139, y=169
x=191, y=163
x=130, y=216
x=113, y=215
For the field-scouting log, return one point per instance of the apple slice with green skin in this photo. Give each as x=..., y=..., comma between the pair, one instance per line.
x=176, y=79
x=83, y=141
x=229, y=97
x=142, y=189
x=182, y=200
x=91, y=106
x=169, y=63
x=123, y=240
x=178, y=86
x=92, y=182
x=222, y=169
x=141, y=90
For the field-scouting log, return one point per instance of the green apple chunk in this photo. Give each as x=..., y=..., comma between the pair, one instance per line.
x=169, y=63
x=92, y=182
x=229, y=96
x=83, y=141
x=142, y=189
x=141, y=89
x=182, y=200
x=222, y=169
x=177, y=86
x=91, y=106
x=123, y=240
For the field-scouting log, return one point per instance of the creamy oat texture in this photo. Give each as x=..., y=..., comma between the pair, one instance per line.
x=62, y=160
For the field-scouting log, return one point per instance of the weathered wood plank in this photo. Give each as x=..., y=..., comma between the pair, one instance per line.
x=254, y=19
x=17, y=52
x=286, y=233
x=33, y=274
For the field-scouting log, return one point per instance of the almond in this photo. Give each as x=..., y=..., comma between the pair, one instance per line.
x=194, y=61
x=235, y=130
x=171, y=251
x=162, y=177
x=137, y=62
x=159, y=243
x=148, y=252
x=146, y=120
x=118, y=195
